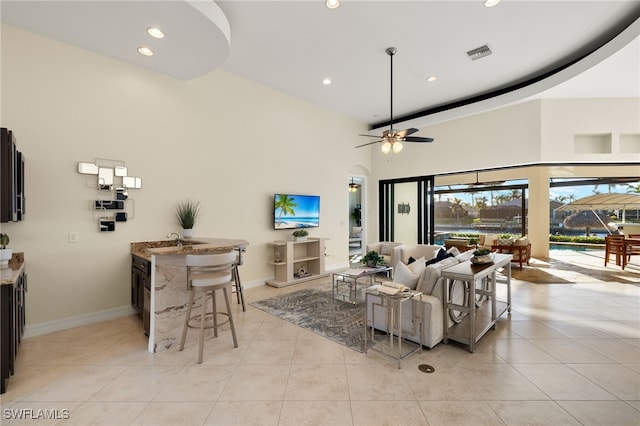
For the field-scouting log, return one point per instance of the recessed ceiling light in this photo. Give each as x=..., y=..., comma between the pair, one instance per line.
x=432, y=78
x=326, y=81
x=332, y=4
x=155, y=32
x=145, y=51
x=491, y=3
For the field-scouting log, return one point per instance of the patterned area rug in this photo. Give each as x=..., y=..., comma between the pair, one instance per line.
x=316, y=309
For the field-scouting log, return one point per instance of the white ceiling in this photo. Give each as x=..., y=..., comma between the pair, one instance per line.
x=293, y=45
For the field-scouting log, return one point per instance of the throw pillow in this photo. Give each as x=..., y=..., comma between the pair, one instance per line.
x=403, y=275
x=411, y=260
x=438, y=254
x=418, y=266
x=506, y=241
x=439, y=258
x=386, y=249
x=454, y=251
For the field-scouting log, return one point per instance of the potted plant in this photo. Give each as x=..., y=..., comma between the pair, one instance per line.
x=187, y=212
x=356, y=215
x=300, y=235
x=5, y=253
x=372, y=258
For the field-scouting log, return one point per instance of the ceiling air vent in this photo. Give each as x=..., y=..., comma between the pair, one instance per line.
x=479, y=52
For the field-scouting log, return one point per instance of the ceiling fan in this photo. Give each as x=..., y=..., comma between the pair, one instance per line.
x=392, y=138
x=478, y=183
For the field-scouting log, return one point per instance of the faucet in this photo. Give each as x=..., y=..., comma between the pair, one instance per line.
x=178, y=240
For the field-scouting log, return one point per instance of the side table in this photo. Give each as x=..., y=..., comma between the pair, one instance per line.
x=395, y=346
x=475, y=317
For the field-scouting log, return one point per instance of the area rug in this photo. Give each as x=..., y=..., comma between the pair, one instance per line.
x=316, y=309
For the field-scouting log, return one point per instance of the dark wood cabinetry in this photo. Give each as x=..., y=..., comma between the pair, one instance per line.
x=12, y=199
x=141, y=288
x=12, y=320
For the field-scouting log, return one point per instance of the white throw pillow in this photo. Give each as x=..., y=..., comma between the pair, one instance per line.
x=454, y=251
x=403, y=275
x=387, y=249
x=506, y=241
x=418, y=266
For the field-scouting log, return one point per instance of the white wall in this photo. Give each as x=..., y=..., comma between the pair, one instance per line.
x=563, y=119
x=221, y=139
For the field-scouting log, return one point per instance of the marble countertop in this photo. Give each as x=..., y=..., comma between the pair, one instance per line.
x=146, y=249
x=11, y=272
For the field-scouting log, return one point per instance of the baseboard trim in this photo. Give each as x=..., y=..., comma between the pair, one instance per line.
x=79, y=320
x=76, y=321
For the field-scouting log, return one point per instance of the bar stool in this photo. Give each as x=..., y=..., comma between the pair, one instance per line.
x=208, y=274
x=236, y=279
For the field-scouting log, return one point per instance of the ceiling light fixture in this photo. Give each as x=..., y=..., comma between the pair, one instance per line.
x=326, y=81
x=145, y=51
x=353, y=187
x=155, y=32
x=332, y=4
x=491, y=3
x=432, y=78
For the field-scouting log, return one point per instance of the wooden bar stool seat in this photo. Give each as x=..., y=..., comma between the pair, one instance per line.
x=207, y=274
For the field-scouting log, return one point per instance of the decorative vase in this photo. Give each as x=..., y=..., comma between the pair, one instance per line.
x=300, y=238
x=5, y=256
x=371, y=263
x=187, y=233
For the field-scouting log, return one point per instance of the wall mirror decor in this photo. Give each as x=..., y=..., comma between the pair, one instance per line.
x=112, y=203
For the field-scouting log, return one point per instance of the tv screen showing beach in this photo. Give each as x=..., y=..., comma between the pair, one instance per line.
x=296, y=211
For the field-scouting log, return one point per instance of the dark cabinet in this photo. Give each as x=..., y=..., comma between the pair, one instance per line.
x=141, y=288
x=12, y=320
x=12, y=197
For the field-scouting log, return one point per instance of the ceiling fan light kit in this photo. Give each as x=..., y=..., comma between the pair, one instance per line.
x=393, y=139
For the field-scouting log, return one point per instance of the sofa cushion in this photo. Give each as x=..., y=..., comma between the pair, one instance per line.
x=506, y=241
x=438, y=259
x=418, y=250
x=402, y=274
x=387, y=249
x=432, y=274
x=487, y=239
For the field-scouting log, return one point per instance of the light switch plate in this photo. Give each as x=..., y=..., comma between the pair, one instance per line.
x=74, y=236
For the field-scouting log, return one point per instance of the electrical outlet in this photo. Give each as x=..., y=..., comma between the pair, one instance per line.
x=74, y=237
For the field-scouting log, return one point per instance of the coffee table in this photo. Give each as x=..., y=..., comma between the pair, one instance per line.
x=345, y=284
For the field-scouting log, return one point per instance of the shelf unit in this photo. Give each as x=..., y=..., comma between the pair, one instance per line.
x=290, y=257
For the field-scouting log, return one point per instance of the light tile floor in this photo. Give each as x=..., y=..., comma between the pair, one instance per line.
x=568, y=354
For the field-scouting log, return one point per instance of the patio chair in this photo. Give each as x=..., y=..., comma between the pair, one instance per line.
x=615, y=245
x=632, y=246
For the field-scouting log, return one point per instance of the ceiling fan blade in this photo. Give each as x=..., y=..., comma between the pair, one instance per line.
x=369, y=143
x=372, y=136
x=407, y=132
x=417, y=139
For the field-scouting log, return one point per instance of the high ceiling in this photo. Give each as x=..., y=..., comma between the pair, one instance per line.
x=293, y=45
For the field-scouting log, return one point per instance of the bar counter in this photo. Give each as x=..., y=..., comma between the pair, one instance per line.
x=168, y=293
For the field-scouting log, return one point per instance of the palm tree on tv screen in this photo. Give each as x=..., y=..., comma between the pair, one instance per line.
x=286, y=205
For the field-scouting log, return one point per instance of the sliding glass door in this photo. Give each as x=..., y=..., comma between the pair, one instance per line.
x=406, y=210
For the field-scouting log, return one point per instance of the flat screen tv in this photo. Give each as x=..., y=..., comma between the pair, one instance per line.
x=296, y=211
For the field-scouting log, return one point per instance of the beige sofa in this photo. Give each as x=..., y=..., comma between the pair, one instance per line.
x=386, y=249
x=429, y=283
